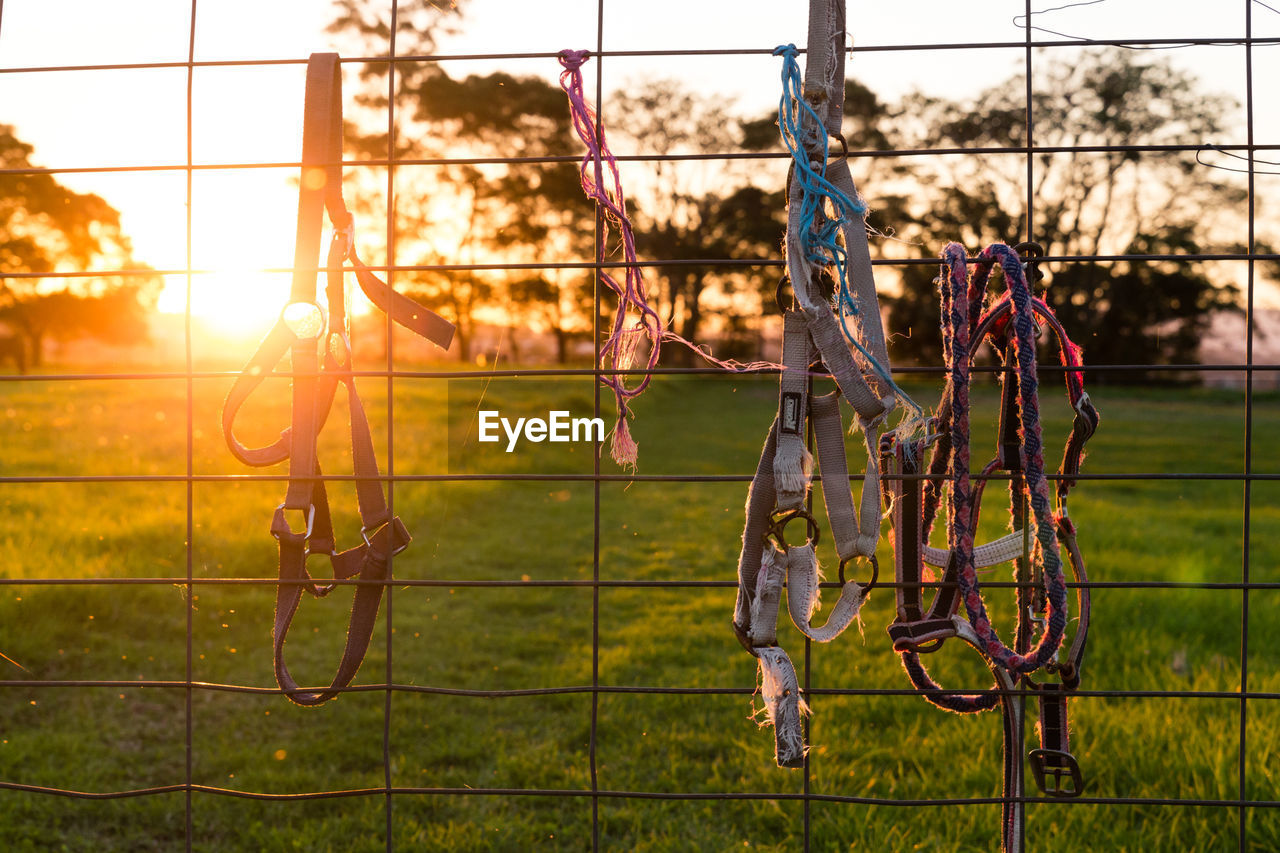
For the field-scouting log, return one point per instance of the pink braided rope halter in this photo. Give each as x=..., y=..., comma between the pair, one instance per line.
x=962, y=298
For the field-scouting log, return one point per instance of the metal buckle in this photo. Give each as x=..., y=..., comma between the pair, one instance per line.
x=1081, y=403
x=1062, y=766
x=365, y=534
x=778, y=526
x=1041, y=622
x=311, y=520
x=340, y=348
x=777, y=294
x=348, y=236
x=306, y=320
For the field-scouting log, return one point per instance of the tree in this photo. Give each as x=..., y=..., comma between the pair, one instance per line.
x=48, y=228
x=1086, y=203
x=482, y=214
x=686, y=210
x=367, y=24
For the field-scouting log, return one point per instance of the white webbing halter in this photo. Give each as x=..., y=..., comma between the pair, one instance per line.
x=813, y=334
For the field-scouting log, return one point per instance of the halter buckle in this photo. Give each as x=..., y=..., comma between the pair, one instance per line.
x=340, y=348
x=367, y=534
x=1042, y=623
x=310, y=516
x=348, y=236
x=306, y=320
x=1053, y=769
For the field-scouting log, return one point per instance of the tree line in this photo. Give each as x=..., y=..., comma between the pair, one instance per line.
x=514, y=210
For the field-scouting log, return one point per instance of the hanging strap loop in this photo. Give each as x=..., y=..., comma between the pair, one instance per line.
x=826, y=241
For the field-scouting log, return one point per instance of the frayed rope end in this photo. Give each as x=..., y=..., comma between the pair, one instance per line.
x=624, y=450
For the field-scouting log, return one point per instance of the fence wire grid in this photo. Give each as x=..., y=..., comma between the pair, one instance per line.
x=393, y=796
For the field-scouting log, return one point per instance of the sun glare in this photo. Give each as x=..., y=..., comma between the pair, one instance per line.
x=233, y=244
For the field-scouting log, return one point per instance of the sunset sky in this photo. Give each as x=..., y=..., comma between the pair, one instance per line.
x=244, y=218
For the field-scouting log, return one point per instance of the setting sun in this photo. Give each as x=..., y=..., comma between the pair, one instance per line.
x=243, y=225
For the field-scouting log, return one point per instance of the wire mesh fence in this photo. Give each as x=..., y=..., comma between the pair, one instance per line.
x=554, y=653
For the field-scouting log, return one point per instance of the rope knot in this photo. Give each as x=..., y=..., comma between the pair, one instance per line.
x=790, y=51
x=572, y=60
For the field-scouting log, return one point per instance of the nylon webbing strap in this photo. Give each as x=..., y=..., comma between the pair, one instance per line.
x=824, y=67
x=862, y=283
x=402, y=309
x=828, y=434
x=1002, y=550
x=761, y=570
x=760, y=502
x=320, y=187
x=781, y=484
x=825, y=330
x=791, y=458
x=913, y=628
x=320, y=354
x=853, y=538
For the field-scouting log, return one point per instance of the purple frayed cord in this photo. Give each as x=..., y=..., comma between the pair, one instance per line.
x=599, y=166
x=601, y=183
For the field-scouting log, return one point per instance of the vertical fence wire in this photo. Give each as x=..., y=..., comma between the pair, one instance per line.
x=389, y=791
x=189, y=589
x=1248, y=426
x=391, y=445
x=597, y=291
x=1019, y=730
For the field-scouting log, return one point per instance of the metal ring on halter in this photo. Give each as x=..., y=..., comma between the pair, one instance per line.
x=844, y=146
x=347, y=235
x=778, y=526
x=818, y=165
x=777, y=294
x=306, y=320
x=875, y=573
x=826, y=283
x=309, y=514
x=1031, y=253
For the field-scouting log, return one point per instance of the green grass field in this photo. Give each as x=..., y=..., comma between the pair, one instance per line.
x=522, y=635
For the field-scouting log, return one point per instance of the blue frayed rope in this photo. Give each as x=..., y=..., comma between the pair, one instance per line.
x=819, y=241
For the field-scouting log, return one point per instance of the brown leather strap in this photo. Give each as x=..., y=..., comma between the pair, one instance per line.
x=1069, y=669
x=1009, y=446
x=913, y=629
x=1055, y=769
x=321, y=360
x=319, y=187
x=372, y=561
x=417, y=319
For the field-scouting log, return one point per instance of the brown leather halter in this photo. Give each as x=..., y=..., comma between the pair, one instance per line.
x=320, y=356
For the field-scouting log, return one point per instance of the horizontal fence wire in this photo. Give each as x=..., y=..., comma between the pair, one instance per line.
x=596, y=584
